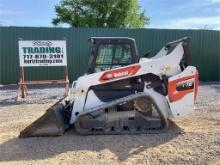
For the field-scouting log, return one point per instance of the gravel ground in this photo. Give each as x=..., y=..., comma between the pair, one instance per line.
x=191, y=140
x=36, y=94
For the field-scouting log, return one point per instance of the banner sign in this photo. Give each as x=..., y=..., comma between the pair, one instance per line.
x=42, y=53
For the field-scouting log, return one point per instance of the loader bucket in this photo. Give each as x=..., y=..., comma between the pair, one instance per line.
x=52, y=123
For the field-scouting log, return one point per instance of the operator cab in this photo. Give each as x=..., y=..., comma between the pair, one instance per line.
x=111, y=52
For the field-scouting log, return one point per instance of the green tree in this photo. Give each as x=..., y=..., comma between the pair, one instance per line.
x=101, y=13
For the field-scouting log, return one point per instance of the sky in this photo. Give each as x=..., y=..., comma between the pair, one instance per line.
x=164, y=14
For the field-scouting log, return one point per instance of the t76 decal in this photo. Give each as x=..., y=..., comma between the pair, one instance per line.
x=178, y=88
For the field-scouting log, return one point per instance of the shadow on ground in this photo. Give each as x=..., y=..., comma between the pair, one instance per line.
x=121, y=145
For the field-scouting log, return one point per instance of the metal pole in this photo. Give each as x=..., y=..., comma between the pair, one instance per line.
x=66, y=73
x=67, y=80
x=22, y=80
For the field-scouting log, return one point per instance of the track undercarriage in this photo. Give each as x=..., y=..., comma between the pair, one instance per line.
x=123, y=116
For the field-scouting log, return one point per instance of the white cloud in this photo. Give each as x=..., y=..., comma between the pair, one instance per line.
x=7, y=15
x=194, y=23
x=208, y=1
x=6, y=12
x=7, y=22
x=214, y=1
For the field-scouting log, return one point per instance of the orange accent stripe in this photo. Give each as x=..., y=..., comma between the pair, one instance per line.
x=119, y=73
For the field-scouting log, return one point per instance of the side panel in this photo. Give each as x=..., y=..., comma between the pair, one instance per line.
x=118, y=89
x=92, y=100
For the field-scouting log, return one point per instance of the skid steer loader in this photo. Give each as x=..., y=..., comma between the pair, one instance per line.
x=122, y=93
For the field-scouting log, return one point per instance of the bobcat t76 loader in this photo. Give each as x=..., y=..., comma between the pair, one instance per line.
x=122, y=93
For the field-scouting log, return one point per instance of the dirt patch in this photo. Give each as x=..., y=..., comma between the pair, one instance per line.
x=192, y=140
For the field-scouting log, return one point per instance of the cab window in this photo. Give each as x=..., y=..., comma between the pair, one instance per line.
x=111, y=56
